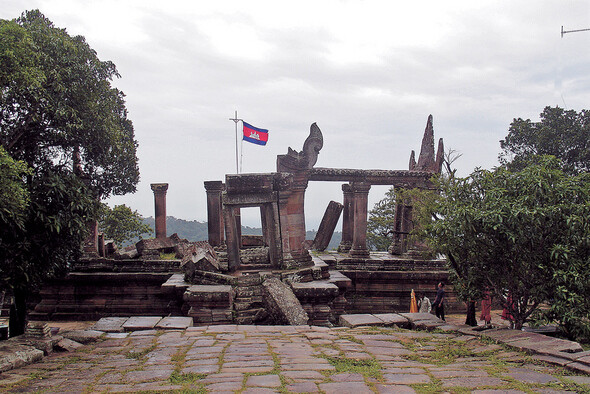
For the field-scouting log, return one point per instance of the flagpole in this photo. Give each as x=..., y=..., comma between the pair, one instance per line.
x=236, y=120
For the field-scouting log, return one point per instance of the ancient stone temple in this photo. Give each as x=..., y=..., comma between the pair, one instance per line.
x=268, y=279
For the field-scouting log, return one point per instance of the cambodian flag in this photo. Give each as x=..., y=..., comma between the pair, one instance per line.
x=254, y=134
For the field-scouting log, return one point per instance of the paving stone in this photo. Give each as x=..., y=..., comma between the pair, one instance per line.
x=211, y=368
x=359, y=320
x=403, y=370
x=110, y=324
x=528, y=376
x=264, y=381
x=299, y=376
x=394, y=389
x=136, y=323
x=148, y=375
x=222, y=378
x=471, y=382
x=458, y=373
x=345, y=388
x=175, y=323
x=116, y=335
x=401, y=378
x=498, y=391
x=390, y=319
x=579, y=379
x=303, y=387
x=143, y=333
x=579, y=367
x=257, y=390
x=225, y=386
x=347, y=377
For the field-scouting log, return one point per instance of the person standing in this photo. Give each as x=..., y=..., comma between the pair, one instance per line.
x=425, y=305
x=438, y=304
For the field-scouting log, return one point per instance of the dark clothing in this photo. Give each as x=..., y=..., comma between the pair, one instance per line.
x=438, y=304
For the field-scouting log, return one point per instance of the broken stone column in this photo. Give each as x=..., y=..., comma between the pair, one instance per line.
x=347, y=219
x=327, y=226
x=160, y=206
x=359, y=237
x=214, y=214
x=231, y=236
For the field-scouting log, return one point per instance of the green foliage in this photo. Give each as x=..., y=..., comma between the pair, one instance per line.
x=381, y=222
x=56, y=98
x=122, y=224
x=560, y=133
x=14, y=197
x=53, y=231
x=525, y=234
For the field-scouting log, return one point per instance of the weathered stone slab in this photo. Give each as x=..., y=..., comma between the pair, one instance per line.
x=530, y=376
x=136, y=323
x=470, y=382
x=315, y=289
x=391, y=319
x=209, y=293
x=360, y=320
x=345, y=388
x=401, y=378
x=110, y=324
x=84, y=336
x=16, y=356
x=68, y=345
x=282, y=304
x=175, y=323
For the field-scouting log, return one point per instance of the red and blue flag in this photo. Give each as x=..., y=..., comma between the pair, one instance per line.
x=254, y=134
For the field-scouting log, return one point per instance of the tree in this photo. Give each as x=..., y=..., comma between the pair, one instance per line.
x=61, y=118
x=381, y=222
x=564, y=134
x=58, y=108
x=122, y=224
x=522, y=235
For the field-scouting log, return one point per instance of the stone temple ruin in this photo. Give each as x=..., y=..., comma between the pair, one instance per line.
x=268, y=279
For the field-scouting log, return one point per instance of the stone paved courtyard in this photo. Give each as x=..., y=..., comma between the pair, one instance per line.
x=268, y=359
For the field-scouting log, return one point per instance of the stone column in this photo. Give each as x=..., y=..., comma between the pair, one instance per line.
x=347, y=219
x=359, y=237
x=160, y=205
x=272, y=233
x=291, y=209
x=91, y=242
x=214, y=214
x=231, y=235
x=327, y=226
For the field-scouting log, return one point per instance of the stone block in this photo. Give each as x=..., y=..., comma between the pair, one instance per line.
x=110, y=324
x=174, y=323
x=136, y=323
x=393, y=319
x=68, y=345
x=282, y=304
x=84, y=336
x=360, y=320
x=216, y=294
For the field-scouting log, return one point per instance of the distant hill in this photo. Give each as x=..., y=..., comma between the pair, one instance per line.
x=194, y=230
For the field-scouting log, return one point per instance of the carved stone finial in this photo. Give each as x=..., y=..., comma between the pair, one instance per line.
x=412, y=161
x=296, y=161
x=426, y=158
x=440, y=156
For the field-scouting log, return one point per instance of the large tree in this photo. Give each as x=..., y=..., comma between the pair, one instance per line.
x=562, y=133
x=58, y=108
x=61, y=118
x=522, y=235
x=122, y=224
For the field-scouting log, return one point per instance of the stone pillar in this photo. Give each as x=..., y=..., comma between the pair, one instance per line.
x=101, y=248
x=160, y=205
x=91, y=242
x=238, y=219
x=214, y=214
x=231, y=235
x=327, y=226
x=272, y=233
x=291, y=208
x=347, y=219
x=361, y=201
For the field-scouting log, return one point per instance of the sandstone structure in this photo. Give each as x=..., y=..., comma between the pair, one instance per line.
x=269, y=279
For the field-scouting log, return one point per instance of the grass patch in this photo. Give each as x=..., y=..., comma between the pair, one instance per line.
x=139, y=354
x=168, y=256
x=186, y=378
x=368, y=368
x=351, y=338
x=445, y=353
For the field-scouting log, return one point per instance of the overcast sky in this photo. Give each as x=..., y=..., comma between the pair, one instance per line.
x=368, y=72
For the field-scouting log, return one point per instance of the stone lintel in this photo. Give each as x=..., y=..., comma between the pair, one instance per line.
x=249, y=183
x=214, y=186
x=249, y=199
x=397, y=178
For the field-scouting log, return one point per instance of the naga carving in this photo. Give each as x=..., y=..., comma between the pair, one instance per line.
x=296, y=161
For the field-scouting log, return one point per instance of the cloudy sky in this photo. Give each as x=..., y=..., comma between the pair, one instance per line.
x=368, y=72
